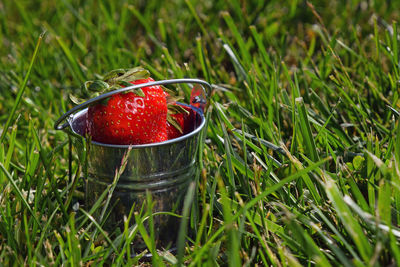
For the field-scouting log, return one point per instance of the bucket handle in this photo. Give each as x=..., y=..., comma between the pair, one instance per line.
x=197, y=97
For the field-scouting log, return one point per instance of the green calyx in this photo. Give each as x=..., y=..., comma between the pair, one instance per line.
x=112, y=80
x=126, y=75
x=175, y=109
x=95, y=86
x=116, y=79
x=174, y=123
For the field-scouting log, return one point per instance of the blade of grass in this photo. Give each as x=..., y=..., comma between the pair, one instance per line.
x=197, y=18
x=184, y=222
x=305, y=130
x=27, y=235
x=349, y=221
x=307, y=243
x=147, y=239
x=109, y=192
x=261, y=46
x=238, y=37
x=228, y=153
x=337, y=233
x=45, y=231
x=21, y=89
x=71, y=59
x=19, y=194
x=201, y=55
x=100, y=229
x=370, y=219
x=229, y=223
x=253, y=202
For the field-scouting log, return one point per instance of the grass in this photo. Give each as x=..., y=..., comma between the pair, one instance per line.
x=300, y=162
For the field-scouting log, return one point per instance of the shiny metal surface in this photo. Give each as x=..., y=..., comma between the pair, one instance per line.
x=164, y=170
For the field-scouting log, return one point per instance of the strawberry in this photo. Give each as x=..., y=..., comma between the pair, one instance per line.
x=133, y=117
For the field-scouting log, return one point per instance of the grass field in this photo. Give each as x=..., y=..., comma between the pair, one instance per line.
x=301, y=163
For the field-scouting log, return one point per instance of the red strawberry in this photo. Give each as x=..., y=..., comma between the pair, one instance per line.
x=129, y=118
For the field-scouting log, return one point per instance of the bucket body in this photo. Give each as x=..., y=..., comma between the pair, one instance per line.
x=163, y=169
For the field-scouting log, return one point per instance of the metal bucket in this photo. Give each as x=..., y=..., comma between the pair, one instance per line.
x=162, y=169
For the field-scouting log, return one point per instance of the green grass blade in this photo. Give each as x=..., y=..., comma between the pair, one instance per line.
x=21, y=89
x=239, y=39
x=232, y=232
x=349, y=221
x=100, y=229
x=19, y=194
x=253, y=202
x=305, y=130
x=197, y=18
x=184, y=222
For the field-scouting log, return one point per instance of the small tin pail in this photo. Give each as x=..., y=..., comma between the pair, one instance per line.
x=162, y=169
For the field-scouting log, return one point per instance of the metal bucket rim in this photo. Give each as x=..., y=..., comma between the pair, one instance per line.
x=83, y=105
x=168, y=142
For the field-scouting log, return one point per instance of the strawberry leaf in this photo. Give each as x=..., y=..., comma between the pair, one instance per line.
x=171, y=120
x=124, y=83
x=76, y=100
x=176, y=109
x=170, y=91
x=139, y=92
x=110, y=76
x=171, y=100
x=96, y=86
x=134, y=74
